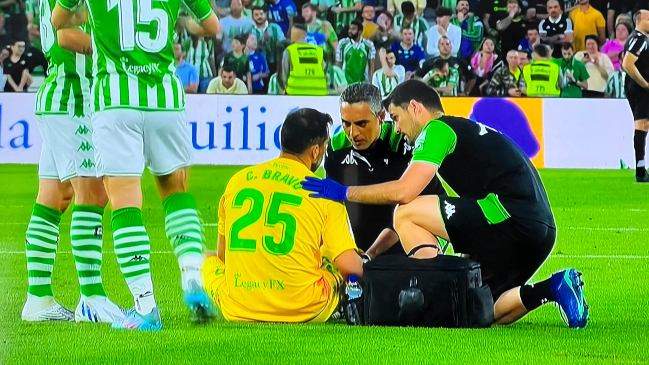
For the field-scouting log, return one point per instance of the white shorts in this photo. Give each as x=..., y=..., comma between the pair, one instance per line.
x=128, y=139
x=68, y=149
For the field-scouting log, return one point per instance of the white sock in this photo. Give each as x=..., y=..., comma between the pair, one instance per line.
x=142, y=290
x=190, y=269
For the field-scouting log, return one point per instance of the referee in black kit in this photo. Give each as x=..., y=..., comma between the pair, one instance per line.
x=366, y=151
x=636, y=65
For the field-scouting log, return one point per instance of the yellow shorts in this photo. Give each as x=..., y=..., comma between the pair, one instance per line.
x=213, y=275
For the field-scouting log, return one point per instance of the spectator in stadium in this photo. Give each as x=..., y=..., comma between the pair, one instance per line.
x=523, y=59
x=4, y=54
x=508, y=81
x=531, y=40
x=615, y=86
x=512, y=28
x=537, y=10
x=409, y=19
x=467, y=78
x=248, y=5
x=234, y=25
x=389, y=75
x=492, y=11
x=221, y=8
x=443, y=28
x=321, y=31
x=409, y=55
x=395, y=7
x=355, y=55
x=598, y=65
x=187, y=73
x=345, y=11
x=575, y=71
x=269, y=38
x=443, y=79
x=238, y=60
x=386, y=35
x=336, y=80
x=323, y=7
x=258, y=66
x=369, y=27
x=543, y=77
x=303, y=66
x=201, y=55
x=484, y=60
x=587, y=21
x=34, y=55
x=227, y=83
x=472, y=29
x=613, y=47
x=556, y=29
x=281, y=12
x=274, y=86
x=16, y=69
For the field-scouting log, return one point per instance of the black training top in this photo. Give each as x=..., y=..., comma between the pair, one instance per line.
x=385, y=160
x=638, y=45
x=478, y=162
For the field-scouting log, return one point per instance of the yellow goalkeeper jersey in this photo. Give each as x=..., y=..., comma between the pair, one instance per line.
x=280, y=245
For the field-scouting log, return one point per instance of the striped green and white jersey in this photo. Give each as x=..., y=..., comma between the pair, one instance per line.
x=615, y=85
x=67, y=87
x=354, y=57
x=199, y=56
x=133, y=61
x=419, y=26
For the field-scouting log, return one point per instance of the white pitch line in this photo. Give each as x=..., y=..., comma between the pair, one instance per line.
x=559, y=256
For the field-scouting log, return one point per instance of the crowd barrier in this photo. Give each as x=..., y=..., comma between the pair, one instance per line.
x=244, y=130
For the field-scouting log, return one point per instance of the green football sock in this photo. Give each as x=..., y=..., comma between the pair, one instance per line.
x=41, y=240
x=86, y=237
x=183, y=227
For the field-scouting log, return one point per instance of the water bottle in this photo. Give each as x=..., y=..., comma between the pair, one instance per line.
x=354, y=290
x=353, y=309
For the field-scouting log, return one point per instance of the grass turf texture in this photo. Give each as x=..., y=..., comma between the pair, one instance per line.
x=599, y=213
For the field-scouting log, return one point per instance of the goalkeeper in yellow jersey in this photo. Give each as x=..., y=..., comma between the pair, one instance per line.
x=282, y=256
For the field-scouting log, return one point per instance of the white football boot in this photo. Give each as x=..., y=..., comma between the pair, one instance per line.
x=97, y=309
x=45, y=309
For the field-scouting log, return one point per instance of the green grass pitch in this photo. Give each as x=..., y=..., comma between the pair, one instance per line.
x=603, y=231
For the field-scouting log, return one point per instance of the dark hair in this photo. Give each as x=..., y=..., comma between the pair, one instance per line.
x=626, y=25
x=440, y=63
x=442, y=11
x=227, y=68
x=414, y=90
x=366, y=5
x=533, y=28
x=542, y=50
x=303, y=129
x=259, y=8
x=567, y=45
x=407, y=8
x=299, y=22
x=242, y=38
x=17, y=40
x=593, y=37
x=358, y=23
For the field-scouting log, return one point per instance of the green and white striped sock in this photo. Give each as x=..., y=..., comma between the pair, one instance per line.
x=133, y=252
x=86, y=237
x=184, y=231
x=41, y=240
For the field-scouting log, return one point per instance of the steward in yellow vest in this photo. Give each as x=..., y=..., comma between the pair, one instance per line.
x=303, y=64
x=543, y=77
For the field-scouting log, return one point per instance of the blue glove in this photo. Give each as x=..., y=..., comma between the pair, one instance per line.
x=326, y=188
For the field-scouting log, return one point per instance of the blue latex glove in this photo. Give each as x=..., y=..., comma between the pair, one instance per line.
x=325, y=188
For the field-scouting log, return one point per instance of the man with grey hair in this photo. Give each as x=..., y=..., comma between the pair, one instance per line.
x=368, y=150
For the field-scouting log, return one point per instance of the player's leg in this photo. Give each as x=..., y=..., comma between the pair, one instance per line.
x=167, y=150
x=42, y=236
x=639, y=102
x=118, y=139
x=419, y=223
